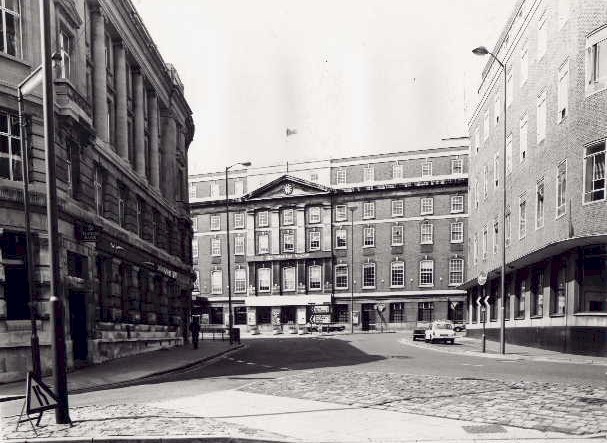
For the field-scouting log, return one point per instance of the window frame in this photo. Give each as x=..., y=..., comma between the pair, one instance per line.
x=216, y=247
x=339, y=268
x=368, y=174
x=428, y=203
x=540, y=206
x=239, y=245
x=311, y=270
x=266, y=250
x=397, y=171
x=368, y=210
x=563, y=91
x=239, y=220
x=261, y=271
x=339, y=231
x=263, y=219
x=427, y=168
x=398, y=267
x=457, y=166
x=240, y=281
x=395, y=234
x=341, y=213
x=341, y=176
x=427, y=226
x=453, y=271
x=561, y=200
x=285, y=273
x=522, y=216
x=288, y=220
x=216, y=290
x=215, y=222
x=369, y=237
x=369, y=266
x=314, y=215
x=313, y=241
x=429, y=283
x=456, y=230
x=592, y=156
x=396, y=204
x=18, y=27
x=541, y=116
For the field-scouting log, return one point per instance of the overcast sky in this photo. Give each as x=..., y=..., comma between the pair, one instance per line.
x=351, y=76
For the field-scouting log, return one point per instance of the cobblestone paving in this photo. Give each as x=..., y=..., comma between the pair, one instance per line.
x=129, y=420
x=572, y=409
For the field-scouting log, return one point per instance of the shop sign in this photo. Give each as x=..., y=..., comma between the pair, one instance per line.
x=321, y=309
x=166, y=271
x=87, y=233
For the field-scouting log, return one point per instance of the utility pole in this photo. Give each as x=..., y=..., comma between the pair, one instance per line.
x=62, y=415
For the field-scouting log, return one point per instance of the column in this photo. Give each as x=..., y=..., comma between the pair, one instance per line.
x=326, y=228
x=300, y=234
x=250, y=234
x=169, y=139
x=139, y=135
x=153, y=130
x=122, y=134
x=100, y=119
x=274, y=232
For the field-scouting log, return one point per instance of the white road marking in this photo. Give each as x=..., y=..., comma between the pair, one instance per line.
x=250, y=363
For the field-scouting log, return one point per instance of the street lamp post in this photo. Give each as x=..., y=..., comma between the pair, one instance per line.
x=227, y=201
x=481, y=50
x=352, y=209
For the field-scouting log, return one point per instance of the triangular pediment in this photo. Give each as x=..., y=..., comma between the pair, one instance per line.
x=285, y=187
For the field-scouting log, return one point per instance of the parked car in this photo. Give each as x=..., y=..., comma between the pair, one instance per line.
x=440, y=330
x=459, y=327
x=420, y=330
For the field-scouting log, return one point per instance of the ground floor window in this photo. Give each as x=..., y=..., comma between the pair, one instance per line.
x=240, y=315
x=425, y=311
x=216, y=315
x=455, y=311
x=264, y=315
x=288, y=314
x=558, y=289
x=397, y=312
x=594, y=287
x=341, y=313
x=519, y=298
x=537, y=293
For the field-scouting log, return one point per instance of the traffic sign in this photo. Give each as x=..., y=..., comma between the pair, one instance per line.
x=478, y=301
x=381, y=307
x=486, y=301
x=482, y=278
x=320, y=319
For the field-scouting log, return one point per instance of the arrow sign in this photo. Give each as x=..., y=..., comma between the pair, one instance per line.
x=486, y=301
x=478, y=301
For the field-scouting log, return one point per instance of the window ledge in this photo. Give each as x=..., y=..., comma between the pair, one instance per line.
x=368, y=246
x=556, y=315
x=426, y=286
x=15, y=59
x=519, y=318
x=594, y=202
x=369, y=287
x=588, y=314
x=397, y=244
x=397, y=286
x=535, y=317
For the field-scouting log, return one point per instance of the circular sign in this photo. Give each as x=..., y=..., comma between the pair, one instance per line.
x=288, y=189
x=381, y=307
x=482, y=278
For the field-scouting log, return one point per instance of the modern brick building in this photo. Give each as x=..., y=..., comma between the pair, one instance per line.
x=556, y=221
x=294, y=243
x=125, y=233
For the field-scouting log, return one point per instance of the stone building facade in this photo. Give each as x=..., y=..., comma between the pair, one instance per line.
x=397, y=257
x=556, y=217
x=124, y=230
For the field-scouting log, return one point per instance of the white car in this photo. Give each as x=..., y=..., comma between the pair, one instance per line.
x=441, y=330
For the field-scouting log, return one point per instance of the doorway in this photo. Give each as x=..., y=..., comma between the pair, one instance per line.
x=16, y=293
x=368, y=317
x=78, y=330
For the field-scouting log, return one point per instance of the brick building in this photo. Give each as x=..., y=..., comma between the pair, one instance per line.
x=556, y=218
x=125, y=234
x=294, y=242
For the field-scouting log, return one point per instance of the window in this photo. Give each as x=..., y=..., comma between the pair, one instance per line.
x=523, y=138
x=563, y=92
x=524, y=64
x=195, y=249
x=539, y=204
x=477, y=139
x=456, y=271
x=288, y=241
x=457, y=232
x=264, y=279
x=596, y=62
x=485, y=182
x=314, y=278
x=369, y=210
x=369, y=237
x=193, y=190
x=475, y=248
x=542, y=36
x=216, y=247
x=477, y=194
x=509, y=154
x=288, y=279
x=196, y=286
x=457, y=166
x=215, y=223
x=594, y=275
x=239, y=220
x=341, y=176
x=594, y=172
x=239, y=245
x=10, y=147
x=398, y=208
x=541, y=116
x=368, y=275
x=495, y=234
x=559, y=289
x=496, y=174
x=561, y=188
x=425, y=311
x=486, y=126
x=314, y=241
x=139, y=209
x=216, y=282
x=341, y=314
x=397, y=235
x=426, y=233
x=341, y=213
x=10, y=28
x=287, y=217
x=484, y=242
x=497, y=107
x=314, y=214
x=426, y=273
x=263, y=243
x=155, y=227
x=508, y=226
x=65, y=51
x=262, y=218
x=427, y=168
x=240, y=280
x=341, y=277
x=397, y=274
x=98, y=184
x=368, y=174
x=238, y=187
x=397, y=312
x=509, y=89
x=341, y=239
x=122, y=197
x=397, y=171
x=426, y=206
x=522, y=216
x=519, y=294
x=214, y=190
x=563, y=11
x=314, y=177
x=537, y=293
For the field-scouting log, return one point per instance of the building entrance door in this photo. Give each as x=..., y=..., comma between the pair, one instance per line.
x=78, y=330
x=368, y=317
x=16, y=293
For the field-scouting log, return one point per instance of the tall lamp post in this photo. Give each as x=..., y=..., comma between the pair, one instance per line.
x=481, y=50
x=352, y=208
x=230, y=320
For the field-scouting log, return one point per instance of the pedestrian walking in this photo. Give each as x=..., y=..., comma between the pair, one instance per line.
x=195, y=330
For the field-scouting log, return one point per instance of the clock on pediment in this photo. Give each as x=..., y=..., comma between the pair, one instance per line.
x=288, y=188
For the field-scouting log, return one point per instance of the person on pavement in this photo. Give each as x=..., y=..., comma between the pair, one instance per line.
x=195, y=330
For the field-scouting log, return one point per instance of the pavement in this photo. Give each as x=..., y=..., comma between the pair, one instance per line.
x=334, y=405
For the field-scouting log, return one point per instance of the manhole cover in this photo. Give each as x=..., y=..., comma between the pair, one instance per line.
x=593, y=401
x=484, y=429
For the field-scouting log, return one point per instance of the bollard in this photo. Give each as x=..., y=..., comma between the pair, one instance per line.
x=484, y=342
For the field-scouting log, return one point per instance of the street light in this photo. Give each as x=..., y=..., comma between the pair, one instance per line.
x=481, y=50
x=352, y=208
x=230, y=322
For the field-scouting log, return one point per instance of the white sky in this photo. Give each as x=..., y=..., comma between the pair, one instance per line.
x=352, y=76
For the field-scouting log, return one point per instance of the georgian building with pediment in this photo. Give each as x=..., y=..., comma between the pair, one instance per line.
x=383, y=233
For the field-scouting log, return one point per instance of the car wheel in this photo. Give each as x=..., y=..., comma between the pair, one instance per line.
x=432, y=340
x=451, y=341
